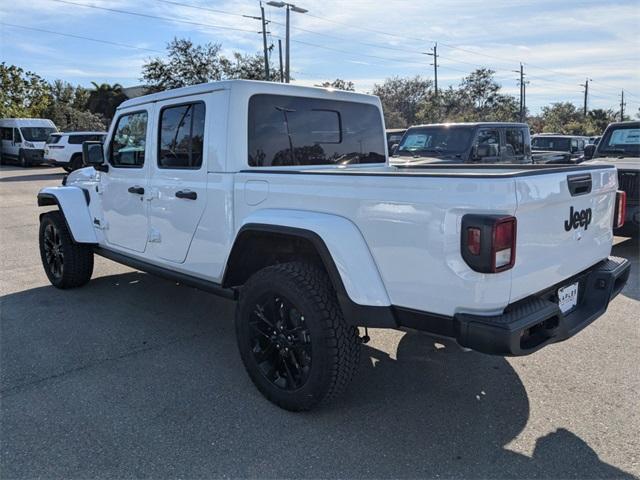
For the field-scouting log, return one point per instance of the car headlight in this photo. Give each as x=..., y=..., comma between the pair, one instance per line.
x=29, y=145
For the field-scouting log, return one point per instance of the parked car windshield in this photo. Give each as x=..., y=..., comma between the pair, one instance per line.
x=36, y=134
x=621, y=141
x=435, y=140
x=560, y=144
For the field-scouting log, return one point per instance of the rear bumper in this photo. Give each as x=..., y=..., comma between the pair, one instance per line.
x=534, y=322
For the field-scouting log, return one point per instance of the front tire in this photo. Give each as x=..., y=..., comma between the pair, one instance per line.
x=75, y=163
x=66, y=263
x=22, y=159
x=293, y=339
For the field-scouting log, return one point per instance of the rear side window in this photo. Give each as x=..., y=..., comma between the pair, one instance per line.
x=286, y=130
x=515, y=143
x=181, y=136
x=129, y=140
x=54, y=139
x=80, y=139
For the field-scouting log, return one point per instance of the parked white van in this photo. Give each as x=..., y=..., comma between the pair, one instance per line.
x=65, y=149
x=23, y=139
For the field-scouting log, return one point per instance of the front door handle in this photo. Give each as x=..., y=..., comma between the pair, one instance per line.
x=136, y=189
x=188, y=194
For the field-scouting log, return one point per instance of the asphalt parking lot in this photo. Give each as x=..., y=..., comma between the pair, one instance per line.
x=135, y=376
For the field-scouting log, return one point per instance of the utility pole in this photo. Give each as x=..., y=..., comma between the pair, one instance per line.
x=522, y=89
x=286, y=60
x=264, y=43
x=434, y=54
x=280, y=55
x=264, y=39
x=521, y=93
x=288, y=7
x=586, y=94
x=622, y=105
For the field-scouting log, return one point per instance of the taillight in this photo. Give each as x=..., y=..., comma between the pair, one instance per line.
x=489, y=242
x=621, y=209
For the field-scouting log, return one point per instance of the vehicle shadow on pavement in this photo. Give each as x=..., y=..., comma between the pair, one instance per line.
x=629, y=249
x=28, y=178
x=135, y=376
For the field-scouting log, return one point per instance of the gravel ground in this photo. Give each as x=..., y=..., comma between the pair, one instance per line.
x=135, y=376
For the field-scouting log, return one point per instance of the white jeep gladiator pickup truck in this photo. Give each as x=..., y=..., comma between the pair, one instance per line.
x=282, y=198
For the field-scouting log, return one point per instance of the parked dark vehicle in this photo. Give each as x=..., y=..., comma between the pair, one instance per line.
x=481, y=142
x=552, y=148
x=620, y=146
x=394, y=135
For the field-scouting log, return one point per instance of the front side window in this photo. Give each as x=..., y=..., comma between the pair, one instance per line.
x=181, y=136
x=17, y=138
x=515, y=141
x=53, y=139
x=129, y=140
x=286, y=130
x=36, y=134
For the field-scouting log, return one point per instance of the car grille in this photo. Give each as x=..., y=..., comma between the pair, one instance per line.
x=629, y=181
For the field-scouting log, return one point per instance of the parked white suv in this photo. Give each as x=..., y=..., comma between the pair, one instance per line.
x=65, y=149
x=282, y=197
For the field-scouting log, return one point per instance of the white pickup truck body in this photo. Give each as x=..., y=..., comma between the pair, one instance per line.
x=390, y=238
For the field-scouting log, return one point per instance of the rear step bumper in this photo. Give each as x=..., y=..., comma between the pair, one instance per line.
x=537, y=321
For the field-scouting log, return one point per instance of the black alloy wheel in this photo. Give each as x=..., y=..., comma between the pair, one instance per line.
x=53, y=251
x=281, y=342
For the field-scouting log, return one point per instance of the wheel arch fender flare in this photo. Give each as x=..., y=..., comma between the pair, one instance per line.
x=343, y=251
x=73, y=203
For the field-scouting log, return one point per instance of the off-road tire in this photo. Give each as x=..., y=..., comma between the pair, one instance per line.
x=335, y=344
x=77, y=264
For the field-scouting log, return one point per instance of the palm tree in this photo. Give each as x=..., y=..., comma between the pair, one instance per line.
x=105, y=98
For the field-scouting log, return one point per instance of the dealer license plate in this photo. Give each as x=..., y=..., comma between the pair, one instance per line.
x=568, y=297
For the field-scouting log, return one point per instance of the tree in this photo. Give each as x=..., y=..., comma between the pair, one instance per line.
x=339, y=84
x=562, y=117
x=105, y=98
x=190, y=64
x=68, y=108
x=598, y=119
x=22, y=94
x=402, y=98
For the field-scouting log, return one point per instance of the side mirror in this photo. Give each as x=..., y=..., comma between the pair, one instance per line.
x=93, y=155
x=394, y=148
x=589, y=152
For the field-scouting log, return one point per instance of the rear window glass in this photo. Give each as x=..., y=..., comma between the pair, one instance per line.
x=551, y=143
x=80, y=139
x=286, y=130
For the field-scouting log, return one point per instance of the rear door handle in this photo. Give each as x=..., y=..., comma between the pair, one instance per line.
x=136, y=189
x=187, y=194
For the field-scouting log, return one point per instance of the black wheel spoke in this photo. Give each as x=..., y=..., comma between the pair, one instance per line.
x=281, y=342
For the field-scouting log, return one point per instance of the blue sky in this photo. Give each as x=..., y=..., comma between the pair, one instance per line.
x=559, y=42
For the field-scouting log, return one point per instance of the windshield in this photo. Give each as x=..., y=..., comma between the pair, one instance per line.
x=36, y=134
x=551, y=143
x=430, y=141
x=621, y=141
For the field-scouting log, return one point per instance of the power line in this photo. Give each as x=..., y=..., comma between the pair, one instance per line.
x=81, y=37
x=157, y=17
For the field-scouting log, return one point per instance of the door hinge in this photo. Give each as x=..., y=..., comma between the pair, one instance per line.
x=100, y=224
x=151, y=194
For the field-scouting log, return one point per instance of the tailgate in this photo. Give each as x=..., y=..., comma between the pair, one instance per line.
x=551, y=246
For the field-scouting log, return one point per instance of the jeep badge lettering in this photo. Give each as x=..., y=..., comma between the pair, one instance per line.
x=577, y=219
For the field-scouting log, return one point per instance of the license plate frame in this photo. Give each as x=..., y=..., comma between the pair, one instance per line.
x=568, y=297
